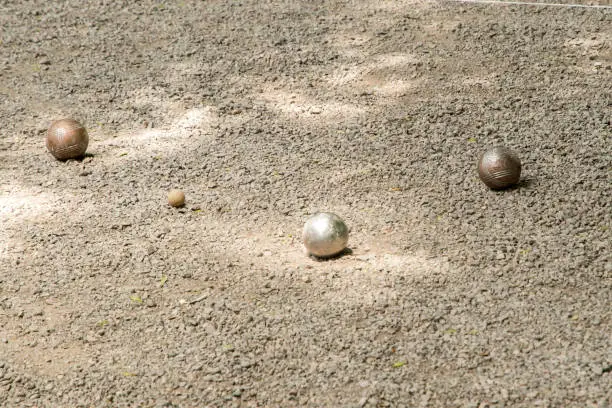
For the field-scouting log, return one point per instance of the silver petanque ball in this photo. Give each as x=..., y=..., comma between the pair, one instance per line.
x=325, y=234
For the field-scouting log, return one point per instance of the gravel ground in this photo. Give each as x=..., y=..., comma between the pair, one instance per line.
x=264, y=112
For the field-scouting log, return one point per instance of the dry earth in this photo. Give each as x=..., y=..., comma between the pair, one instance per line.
x=263, y=112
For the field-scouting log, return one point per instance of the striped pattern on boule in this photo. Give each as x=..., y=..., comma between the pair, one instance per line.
x=499, y=168
x=67, y=139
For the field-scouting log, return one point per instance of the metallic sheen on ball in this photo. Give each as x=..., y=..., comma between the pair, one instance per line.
x=325, y=235
x=67, y=139
x=499, y=168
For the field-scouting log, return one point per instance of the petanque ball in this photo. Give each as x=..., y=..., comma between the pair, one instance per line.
x=324, y=235
x=67, y=139
x=499, y=168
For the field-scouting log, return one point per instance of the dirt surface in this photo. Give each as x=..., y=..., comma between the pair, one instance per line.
x=264, y=112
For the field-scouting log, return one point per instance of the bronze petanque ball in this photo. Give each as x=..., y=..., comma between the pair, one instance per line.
x=499, y=168
x=176, y=198
x=325, y=235
x=67, y=139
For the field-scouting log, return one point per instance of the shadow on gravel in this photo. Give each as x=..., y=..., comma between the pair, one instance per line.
x=343, y=253
x=525, y=183
x=80, y=159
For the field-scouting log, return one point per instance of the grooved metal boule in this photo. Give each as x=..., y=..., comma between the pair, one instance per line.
x=325, y=235
x=67, y=139
x=499, y=168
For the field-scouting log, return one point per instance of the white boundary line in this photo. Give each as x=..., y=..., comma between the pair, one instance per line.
x=524, y=3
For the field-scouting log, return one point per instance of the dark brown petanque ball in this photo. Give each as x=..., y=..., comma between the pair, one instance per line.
x=499, y=168
x=176, y=198
x=67, y=139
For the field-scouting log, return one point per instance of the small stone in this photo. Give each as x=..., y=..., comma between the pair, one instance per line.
x=364, y=258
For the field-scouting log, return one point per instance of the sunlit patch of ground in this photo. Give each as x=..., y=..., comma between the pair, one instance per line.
x=596, y=53
x=597, y=42
x=18, y=207
x=372, y=277
x=350, y=44
x=18, y=204
x=382, y=75
x=395, y=6
x=478, y=82
x=374, y=66
x=299, y=106
x=194, y=123
x=365, y=275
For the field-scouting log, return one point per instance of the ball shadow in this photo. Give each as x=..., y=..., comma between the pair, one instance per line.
x=78, y=159
x=344, y=252
x=523, y=183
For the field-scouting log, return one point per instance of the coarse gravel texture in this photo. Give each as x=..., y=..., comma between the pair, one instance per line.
x=264, y=112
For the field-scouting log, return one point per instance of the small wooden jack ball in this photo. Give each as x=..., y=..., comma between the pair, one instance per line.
x=499, y=168
x=176, y=198
x=67, y=139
